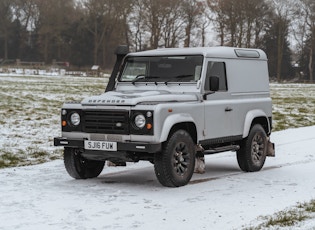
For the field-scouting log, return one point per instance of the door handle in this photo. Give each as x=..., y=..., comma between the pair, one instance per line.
x=228, y=109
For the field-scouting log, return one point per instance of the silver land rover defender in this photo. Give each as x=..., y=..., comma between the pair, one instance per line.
x=170, y=107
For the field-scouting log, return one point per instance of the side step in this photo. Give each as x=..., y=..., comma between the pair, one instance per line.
x=222, y=149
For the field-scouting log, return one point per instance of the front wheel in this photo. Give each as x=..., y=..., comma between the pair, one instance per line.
x=79, y=167
x=252, y=154
x=174, y=166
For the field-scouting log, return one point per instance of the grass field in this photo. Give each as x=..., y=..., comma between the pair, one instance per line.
x=293, y=105
x=30, y=115
x=30, y=108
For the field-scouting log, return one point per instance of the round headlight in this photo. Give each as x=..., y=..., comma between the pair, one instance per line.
x=140, y=121
x=75, y=119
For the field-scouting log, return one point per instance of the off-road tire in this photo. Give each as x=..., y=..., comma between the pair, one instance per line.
x=79, y=167
x=174, y=166
x=252, y=154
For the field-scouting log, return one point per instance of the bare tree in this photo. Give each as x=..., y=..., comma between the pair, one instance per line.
x=217, y=16
x=158, y=23
x=173, y=24
x=193, y=11
x=257, y=13
x=104, y=19
x=155, y=13
x=283, y=13
x=305, y=34
x=53, y=18
x=5, y=23
x=205, y=24
x=229, y=20
x=95, y=22
x=239, y=23
x=25, y=12
x=138, y=26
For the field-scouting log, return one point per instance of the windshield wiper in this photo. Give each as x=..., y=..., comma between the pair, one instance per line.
x=184, y=76
x=137, y=78
x=141, y=77
x=178, y=77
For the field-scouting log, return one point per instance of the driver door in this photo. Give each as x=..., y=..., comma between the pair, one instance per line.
x=219, y=111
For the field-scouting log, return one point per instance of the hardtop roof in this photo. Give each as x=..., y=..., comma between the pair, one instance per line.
x=214, y=52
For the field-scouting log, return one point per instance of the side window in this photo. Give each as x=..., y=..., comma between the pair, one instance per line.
x=216, y=69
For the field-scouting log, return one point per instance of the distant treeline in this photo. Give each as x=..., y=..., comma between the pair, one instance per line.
x=86, y=32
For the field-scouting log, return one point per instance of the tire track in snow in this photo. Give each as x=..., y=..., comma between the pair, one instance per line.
x=202, y=180
x=198, y=181
x=298, y=141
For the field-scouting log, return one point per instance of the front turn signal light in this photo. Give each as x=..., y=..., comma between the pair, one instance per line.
x=64, y=123
x=149, y=126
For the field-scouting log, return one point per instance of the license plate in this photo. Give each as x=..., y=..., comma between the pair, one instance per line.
x=100, y=145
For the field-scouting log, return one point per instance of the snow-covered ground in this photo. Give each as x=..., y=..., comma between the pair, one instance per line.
x=45, y=197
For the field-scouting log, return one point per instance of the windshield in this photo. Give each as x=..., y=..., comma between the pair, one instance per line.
x=162, y=69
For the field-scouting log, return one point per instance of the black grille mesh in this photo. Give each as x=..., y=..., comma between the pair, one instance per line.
x=107, y=122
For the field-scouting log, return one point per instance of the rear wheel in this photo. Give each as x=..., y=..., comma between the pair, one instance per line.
x=252, y=154
x=174, y=166
x=79, y=167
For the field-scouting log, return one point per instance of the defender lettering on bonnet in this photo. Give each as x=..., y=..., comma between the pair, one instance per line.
x=171, y=107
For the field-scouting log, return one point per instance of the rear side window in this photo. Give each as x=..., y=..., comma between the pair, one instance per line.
x=216, y=69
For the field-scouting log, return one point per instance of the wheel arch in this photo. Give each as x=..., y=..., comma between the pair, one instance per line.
x=176, y=122
x=256, y=117
x=190, y=127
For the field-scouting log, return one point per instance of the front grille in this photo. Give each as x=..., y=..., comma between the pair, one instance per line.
x=106, y=121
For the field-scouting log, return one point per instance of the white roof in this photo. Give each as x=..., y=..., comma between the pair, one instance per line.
x=214, y=52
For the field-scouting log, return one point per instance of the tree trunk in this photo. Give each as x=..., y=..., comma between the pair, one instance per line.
x=6, y=46
x=95, y=42
x=240, y=37
x=46, y=48
x=221, y=34
x=203, y=35
x=310, y=65
x=280, y=52
x=187, y=40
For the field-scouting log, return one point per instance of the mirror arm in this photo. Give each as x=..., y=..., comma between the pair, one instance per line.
x=206, y=94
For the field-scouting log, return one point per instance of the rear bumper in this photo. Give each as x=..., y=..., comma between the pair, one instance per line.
x=121, y=146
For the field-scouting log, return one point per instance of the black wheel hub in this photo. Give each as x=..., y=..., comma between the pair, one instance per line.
x=181, y=159
x=258, y=146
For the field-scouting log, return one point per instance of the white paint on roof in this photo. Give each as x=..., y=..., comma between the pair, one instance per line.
x=211, y=52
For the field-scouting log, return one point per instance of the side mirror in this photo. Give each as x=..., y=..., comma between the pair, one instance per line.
x=214, y=83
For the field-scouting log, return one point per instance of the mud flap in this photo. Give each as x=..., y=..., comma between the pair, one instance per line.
x=270, y=149
x=200, y=165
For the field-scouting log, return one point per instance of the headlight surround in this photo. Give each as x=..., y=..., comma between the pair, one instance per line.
x=75, y=119
x=140, y=121
x=71, y=120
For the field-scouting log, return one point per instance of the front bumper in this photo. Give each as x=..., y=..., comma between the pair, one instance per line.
x=121, y=146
